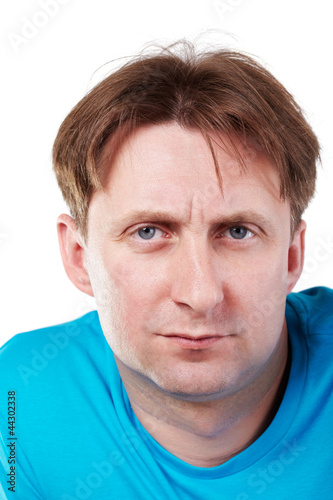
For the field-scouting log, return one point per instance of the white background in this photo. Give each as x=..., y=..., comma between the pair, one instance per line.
x=47, y=70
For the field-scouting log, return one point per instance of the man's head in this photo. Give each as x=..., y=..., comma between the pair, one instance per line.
x=187, y=181
x=215, y=92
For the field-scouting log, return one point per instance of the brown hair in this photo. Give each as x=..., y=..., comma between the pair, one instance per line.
x=218, y=91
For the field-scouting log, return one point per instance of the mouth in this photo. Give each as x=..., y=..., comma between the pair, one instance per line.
x=190, y=342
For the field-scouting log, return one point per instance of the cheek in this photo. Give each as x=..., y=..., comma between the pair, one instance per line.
x=260, y=298
x=267, y=271
x=134, y=283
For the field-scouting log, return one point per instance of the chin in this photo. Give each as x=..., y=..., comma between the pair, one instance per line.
x=194, y=385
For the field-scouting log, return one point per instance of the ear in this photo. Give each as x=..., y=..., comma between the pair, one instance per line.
x=72, y=253
x=296, y=256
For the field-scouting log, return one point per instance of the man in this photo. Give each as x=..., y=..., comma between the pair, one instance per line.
x=186, y=176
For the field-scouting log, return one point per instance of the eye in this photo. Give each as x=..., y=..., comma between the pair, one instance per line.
x=238, y=233
x=148, y=233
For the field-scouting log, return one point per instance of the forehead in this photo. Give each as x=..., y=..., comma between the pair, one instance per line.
x=168, y=167
x=155, y=146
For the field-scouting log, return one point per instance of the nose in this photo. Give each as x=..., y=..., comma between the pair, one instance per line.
x=196, y=280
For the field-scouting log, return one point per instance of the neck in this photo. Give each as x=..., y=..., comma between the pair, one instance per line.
x=208, y=433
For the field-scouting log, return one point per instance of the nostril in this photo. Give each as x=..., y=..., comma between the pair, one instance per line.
x=200, y=295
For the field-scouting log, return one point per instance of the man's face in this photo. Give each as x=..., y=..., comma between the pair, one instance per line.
x=190, y=282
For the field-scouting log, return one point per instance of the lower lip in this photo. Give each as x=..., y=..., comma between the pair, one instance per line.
x=194, y=344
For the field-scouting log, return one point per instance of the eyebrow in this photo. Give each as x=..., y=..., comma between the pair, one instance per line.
x=167, y=218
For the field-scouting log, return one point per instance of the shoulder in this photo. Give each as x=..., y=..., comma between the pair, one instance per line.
x=31, y=352
x=314, y=308
x=60, y=334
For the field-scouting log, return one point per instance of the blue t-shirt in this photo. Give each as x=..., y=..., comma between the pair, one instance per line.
x=75, y=436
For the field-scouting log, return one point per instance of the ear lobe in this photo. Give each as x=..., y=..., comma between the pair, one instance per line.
x=72, y=253
x=296, y=256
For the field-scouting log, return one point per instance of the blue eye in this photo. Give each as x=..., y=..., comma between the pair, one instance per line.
x=148, y=233
x=239, y=233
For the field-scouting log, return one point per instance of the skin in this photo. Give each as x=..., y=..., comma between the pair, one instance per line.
x=190, y=283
